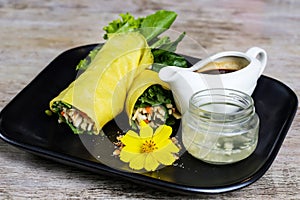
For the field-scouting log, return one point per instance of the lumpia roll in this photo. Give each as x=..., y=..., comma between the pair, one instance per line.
x=151, y=100
x=99, y=93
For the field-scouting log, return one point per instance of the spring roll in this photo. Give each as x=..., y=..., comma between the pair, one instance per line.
x=99, y=93
x=151, y=100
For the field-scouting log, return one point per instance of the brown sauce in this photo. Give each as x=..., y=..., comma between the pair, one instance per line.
x=218, y=71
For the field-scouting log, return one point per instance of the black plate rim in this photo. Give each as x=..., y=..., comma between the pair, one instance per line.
x=135, y=177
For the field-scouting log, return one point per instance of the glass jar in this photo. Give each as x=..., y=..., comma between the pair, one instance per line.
x=221, y=126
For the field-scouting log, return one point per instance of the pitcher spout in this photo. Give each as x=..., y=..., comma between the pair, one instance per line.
x=178, y=79
x=169, y=74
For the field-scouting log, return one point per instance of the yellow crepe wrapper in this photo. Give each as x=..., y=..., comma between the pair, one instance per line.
x=100, y=91
x=142, y=82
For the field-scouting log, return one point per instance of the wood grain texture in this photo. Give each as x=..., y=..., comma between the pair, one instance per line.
x=34, y=32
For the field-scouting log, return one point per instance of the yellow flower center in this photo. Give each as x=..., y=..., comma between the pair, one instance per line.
x=149, y=146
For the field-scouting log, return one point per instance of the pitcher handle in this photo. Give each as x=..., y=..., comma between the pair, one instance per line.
x=260, y=55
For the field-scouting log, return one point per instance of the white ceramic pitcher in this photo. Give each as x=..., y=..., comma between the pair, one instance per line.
x=184, y=82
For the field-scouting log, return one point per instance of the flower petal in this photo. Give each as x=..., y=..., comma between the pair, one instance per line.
x=126, y=156
x=162, y=134
x=132, y=151
x=151, y=163
x=143, y=123
x=136, y=148
x=169, y=146
x=130, y=138
x=138, y=161
x=146, y=132
x=163, y=157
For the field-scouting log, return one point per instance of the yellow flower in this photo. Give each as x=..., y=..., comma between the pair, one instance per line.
x=148, y=150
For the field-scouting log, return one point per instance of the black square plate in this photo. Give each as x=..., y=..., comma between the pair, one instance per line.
x=24, y=124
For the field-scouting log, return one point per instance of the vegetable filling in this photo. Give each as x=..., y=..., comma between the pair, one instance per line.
x=77, y=120
x=155, y=107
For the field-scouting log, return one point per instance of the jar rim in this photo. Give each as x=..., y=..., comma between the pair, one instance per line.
x=225, y=104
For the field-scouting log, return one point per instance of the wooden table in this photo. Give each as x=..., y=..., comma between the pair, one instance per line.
x=34, y=32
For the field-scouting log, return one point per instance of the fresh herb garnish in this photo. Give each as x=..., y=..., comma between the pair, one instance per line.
x=84, y=63
x=166, y=44
x=164, y=58
x=127, y=23
x=151, y=27
x=154, y=95
x=157, y=23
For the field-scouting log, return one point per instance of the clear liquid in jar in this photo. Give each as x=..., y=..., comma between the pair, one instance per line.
x=219, y=148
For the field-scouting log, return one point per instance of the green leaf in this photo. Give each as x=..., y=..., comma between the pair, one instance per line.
x=127, y=23
x=151, y=27
x=154, y=95
x=83, y=64
x=172, y=46
x=155, y=24
x=160, y=41
x=164, y=58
